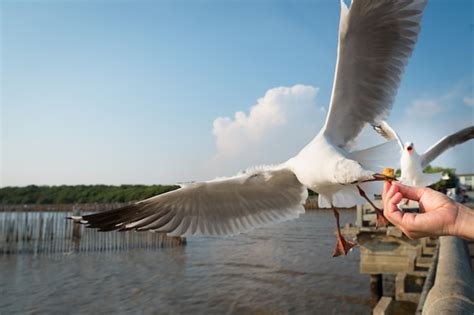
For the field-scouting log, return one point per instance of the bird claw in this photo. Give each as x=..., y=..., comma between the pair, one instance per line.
x=378, y=177
x=381, y=220
x=343, y=246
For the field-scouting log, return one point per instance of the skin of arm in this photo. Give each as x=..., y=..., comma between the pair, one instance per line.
x=439, y=215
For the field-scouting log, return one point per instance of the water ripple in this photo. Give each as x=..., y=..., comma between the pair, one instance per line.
x=282, y=269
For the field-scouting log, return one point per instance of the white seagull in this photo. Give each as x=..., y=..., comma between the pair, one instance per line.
x=376, y=39
x=412, y=164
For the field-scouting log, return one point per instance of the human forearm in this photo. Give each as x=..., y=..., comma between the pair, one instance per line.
x=464, y=224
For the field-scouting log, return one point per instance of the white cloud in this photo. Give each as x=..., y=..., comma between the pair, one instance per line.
x=424, y=108
x=282, y=121
x=468, y=101
x=432, y=106
x=285, y=119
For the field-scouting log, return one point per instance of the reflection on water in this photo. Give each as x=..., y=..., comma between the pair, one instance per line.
x=283, y=268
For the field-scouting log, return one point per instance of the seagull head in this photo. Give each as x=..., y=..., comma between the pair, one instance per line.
x=409, y=148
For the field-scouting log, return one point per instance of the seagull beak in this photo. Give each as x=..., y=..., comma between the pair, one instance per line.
x=410, y=149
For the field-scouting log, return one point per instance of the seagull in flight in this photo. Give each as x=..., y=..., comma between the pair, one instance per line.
x=376, y=39
x=412, y=164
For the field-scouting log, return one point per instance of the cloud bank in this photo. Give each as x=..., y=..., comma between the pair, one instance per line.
x=285, y=119
x=278, y=125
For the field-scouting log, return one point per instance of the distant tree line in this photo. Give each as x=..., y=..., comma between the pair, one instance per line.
x=125, y=193
x=79, y=194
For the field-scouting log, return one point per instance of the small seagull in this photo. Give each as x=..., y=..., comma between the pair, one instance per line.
x=412, y=164
x=376, y=39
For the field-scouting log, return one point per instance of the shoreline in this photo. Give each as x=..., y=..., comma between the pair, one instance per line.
x=98, y=207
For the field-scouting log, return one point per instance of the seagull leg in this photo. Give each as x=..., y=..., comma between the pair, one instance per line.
x=381, y=220
x=342, y=245
x=376, y=178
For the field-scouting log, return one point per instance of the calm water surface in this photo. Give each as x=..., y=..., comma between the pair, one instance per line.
x=283, y=268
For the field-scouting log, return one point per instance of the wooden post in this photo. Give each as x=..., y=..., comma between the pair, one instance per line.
x=376, y=289
x=76, y=230
x=359, y=219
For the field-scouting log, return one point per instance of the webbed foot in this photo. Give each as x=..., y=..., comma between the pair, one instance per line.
x=343, y=246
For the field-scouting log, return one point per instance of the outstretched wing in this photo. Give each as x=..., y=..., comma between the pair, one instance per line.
x=376, y=38
x=219, y=207
x=445, y=143
x=384, y=129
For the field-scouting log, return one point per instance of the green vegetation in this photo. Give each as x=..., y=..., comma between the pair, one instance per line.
x=126, y=193
x=79, y=194
x=398, y=173
x=443, y=184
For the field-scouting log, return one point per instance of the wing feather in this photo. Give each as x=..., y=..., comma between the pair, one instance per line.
x=220, y=207
x=384, y=129
x=376, y=39
x=445, y=143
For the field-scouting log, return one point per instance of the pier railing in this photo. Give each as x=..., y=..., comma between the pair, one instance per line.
x=453, y=290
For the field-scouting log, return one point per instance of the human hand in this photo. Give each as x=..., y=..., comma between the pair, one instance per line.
x=438, y=213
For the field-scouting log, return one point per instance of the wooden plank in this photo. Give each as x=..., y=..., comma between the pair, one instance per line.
x=384, y=306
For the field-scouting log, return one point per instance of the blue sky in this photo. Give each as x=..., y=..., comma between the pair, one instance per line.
x=130, y=91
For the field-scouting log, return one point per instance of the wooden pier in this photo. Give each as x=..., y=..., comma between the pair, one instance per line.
x=402, y=271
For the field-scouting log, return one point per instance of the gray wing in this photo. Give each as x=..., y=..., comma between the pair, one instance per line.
x=376, y=39
x=219, y=207
x=384, y=129
x=445, y=143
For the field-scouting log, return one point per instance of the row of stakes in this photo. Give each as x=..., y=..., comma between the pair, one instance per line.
x=51, y=232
